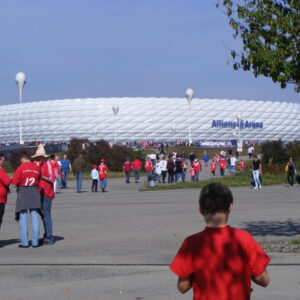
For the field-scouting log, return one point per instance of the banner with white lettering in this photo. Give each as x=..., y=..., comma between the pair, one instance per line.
x=217, y=143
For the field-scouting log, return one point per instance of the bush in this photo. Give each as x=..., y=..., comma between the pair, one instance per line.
x=94, y=151
x=274, y=153
x=15, y=157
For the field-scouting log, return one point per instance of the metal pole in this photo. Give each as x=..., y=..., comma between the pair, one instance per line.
x=20, y=115
x=190, y=141
x=115, y=129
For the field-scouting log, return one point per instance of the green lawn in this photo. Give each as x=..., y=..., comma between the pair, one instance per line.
x=239, y=179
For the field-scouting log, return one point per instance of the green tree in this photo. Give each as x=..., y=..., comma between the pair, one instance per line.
x=270, y=32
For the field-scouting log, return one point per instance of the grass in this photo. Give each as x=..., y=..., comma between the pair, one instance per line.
x=295, y=242
x=239, y=179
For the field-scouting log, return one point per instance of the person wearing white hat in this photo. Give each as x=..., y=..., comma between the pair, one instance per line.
x=46, y=189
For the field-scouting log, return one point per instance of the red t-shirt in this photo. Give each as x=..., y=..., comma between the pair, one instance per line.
x=213, y=166
x=148, y=165
x=196, y=165
x=102, y=169
x=46, y=188
x=136, y=164
x=28, y=174
x=4, y=184
x=222, y=163
x=221, y=262
x=127, y=166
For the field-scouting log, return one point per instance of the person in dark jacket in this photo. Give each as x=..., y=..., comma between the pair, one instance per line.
x=291, y=171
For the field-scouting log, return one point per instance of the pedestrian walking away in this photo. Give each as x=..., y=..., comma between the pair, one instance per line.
x=78, y=166
x=221, y=261
x=26, y=178
x=46, y=189
x=127, y=170
x=102, y=169
x=213, y=167
x=5, y=181
x=197, y=168
x=137, y=165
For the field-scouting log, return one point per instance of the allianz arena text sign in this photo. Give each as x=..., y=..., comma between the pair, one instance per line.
x=233, y=124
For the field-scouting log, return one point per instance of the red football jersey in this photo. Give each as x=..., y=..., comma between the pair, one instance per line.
x=102, y=169
x=28, y=174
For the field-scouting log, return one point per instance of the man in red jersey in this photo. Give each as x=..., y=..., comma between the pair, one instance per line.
x=137, y=165
x=222, y=164
x=4, y=187
x=27, y=178
x=220, y=261
x=149, y=168
x=196, y=164
x=102, y=169
x=127, y=169
x=46, y=189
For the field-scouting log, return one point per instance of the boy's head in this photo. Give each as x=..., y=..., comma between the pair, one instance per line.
x=215, y=198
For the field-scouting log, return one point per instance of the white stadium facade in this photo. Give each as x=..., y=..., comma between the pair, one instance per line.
x=150, y=119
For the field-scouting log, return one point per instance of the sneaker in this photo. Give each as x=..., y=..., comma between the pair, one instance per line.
x=22, y=246
x=48, y=242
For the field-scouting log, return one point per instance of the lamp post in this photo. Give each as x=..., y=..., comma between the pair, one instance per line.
x=20, y=81
x=189, y=96
x=239, y=143
x=115, y=109
x=173, y=130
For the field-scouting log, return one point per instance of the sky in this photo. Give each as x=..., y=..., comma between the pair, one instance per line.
x=123, y=48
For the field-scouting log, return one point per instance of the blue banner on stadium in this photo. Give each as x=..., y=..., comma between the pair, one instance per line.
x=217, y=143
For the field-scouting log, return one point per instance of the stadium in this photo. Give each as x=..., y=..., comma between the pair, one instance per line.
x=150, y=119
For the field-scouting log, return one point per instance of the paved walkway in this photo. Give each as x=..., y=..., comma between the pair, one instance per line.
x=117, y=245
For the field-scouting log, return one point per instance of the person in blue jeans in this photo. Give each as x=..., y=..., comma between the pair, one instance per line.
x=65, y=168
x=78, y=166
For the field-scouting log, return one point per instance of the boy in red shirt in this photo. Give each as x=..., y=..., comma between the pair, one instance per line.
x=127, y=169
x=219, y=262
x=213, y=167
x=222, y=163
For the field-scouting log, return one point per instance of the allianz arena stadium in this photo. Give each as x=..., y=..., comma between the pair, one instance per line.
x=150, y=119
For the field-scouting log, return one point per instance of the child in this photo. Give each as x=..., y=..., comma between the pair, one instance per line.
x=213, y=167
x=220, y=261
x=192, y=173
x=242, y=165
x=94, y=176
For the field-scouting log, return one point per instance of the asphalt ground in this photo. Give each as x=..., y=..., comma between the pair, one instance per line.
x=117, y=245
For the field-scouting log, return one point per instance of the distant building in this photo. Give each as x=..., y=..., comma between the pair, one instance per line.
x=154, y=119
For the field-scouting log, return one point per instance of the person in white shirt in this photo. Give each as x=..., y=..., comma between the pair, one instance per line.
x=163, y=166
x=95, y=178
x=158, y=171
x=232, y=165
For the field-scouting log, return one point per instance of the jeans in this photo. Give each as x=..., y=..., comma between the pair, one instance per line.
x=103, y=182
x=164, y=174
x=64, y=179
x=170, y=176
x=178, y=177
x=158, y=176
x=47, y=219
x=183, y=176
x=78, y=181
x=196, y=178
x=95, y=185
x=232, y=170
x=58, y=179
x=137, y=174
x=35, y=227
x=255, y=174
x=149, y=176
x=127, y=176
x=2, y=209
x=290, y=178
x=222, y=171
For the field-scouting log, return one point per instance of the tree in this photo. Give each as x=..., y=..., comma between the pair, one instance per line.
x=270, y=32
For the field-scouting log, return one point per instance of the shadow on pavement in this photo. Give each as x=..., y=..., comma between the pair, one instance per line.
x=4, y=243
x=275, y=228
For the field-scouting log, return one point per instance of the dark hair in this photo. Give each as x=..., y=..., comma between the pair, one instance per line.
x=215, y=197
x=25, y=156
x=52, y=156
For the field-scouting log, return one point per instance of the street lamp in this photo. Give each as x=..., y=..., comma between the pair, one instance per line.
x=239, y=123
x=20, y=81
x=115, y=109
x=189, y=96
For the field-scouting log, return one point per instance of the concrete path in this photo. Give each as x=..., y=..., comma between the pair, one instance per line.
x=117, y=245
